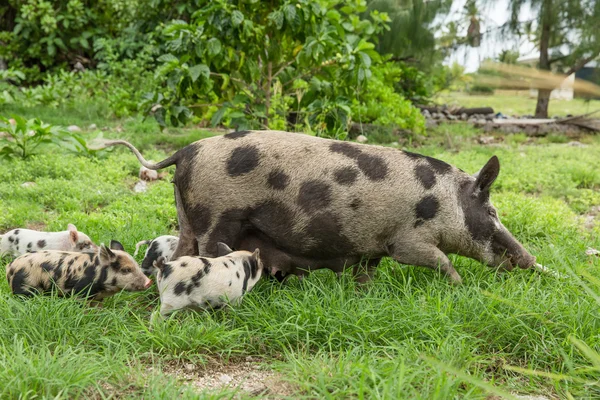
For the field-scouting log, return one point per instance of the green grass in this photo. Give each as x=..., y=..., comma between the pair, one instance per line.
x=518, y=103
x=410, y=334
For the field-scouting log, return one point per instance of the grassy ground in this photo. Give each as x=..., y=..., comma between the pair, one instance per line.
x=518, y=103
x=410, y=334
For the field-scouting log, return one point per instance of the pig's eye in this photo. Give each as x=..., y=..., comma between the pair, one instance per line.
x=125, y=271
x=492, y=212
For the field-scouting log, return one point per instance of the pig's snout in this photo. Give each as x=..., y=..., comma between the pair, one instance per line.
x=147, y=283
x=525, y=261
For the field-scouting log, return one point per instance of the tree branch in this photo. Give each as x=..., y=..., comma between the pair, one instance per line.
x=581, y=63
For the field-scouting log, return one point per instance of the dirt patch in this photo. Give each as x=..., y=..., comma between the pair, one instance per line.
x=36, y=226
x=248, y=376
x=592, y=218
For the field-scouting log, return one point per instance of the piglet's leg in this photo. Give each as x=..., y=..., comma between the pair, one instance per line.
x=426, y=256
x=166, y=309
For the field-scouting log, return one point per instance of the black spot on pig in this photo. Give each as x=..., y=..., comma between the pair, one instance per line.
x=325, y=232
x=114, y=281
x=425, y=175
x=207, y=265
x=247, y=272
x=426, y=209
x=237, y=274
x=166, y=270
x=183, y=265
x=41, y=244
x=347, y=149
x=475, y=212
x=179, y=288
x=11, y=239
x=345, y=176
x=374, y=167
x=47, y=266
x=83, y=284
x=18, y=282
x=237, y=134
x=278, y=180
x=17, y=231
x=227, y=229
x=229, y=283
x=151, y=256
x=17, y=242
x=29, y=246
x=201, y=220
x=314, y=195
x=438, y=165
x=355, y=204
x=197, y=278
x=272, y=216
x=242, y=160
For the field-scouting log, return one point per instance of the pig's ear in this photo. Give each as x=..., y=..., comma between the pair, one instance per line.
x=223, y=249
x=159, y=263
x=256, y=254
x=73, y=234
x=105, y=254
x=487, y=175
x=114, y=245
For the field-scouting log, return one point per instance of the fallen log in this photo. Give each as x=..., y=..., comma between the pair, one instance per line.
x=473, y=111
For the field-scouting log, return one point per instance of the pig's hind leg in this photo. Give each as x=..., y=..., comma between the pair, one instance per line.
x=187, y=245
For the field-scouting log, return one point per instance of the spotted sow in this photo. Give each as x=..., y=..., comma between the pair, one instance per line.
x=98, y=275
x=200, y=282
x=311, y=203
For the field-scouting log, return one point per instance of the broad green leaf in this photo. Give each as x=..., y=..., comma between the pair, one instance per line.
x=167, y=58
x=214, y=47
x=218, y=116
x=277, y=18
x=290, y=13
x=198, y=70
x=237, y=18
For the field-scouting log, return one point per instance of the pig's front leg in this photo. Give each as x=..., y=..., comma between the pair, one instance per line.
x=426, y=256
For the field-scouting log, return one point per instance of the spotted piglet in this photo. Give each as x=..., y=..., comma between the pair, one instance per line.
x=199, y=282
x=161, y=246
x=95, y=276
x=21, y=241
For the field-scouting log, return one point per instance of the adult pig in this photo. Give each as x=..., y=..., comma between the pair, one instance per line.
x=319, y=200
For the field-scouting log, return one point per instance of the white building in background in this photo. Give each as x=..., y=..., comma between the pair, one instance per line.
x=565, y=91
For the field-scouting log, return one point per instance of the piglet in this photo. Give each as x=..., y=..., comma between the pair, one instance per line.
x=161, y=246
x=199, y=282
x=91, y=275
x=21, y=241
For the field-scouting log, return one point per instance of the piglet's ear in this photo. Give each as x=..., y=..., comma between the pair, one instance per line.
x=105, y=254
x=73, y=234
x=487, y=175
x=114, y=245
x=223, y=249
x=256, y=254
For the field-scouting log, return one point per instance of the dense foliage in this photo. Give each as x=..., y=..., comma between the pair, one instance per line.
x=240, y=63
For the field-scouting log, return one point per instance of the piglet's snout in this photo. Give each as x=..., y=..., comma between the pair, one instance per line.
x=147, y=283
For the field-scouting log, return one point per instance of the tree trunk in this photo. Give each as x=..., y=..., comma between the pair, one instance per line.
x=541, y=109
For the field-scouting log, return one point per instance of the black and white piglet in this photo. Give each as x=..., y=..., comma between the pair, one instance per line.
x=199, y=282
x=97, y=275
x=161, y=246
x=21, y=241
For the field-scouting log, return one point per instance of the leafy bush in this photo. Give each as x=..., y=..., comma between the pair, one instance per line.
x=381, y=105
x=21, y=138
x=242, y=56
x=480, y=89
